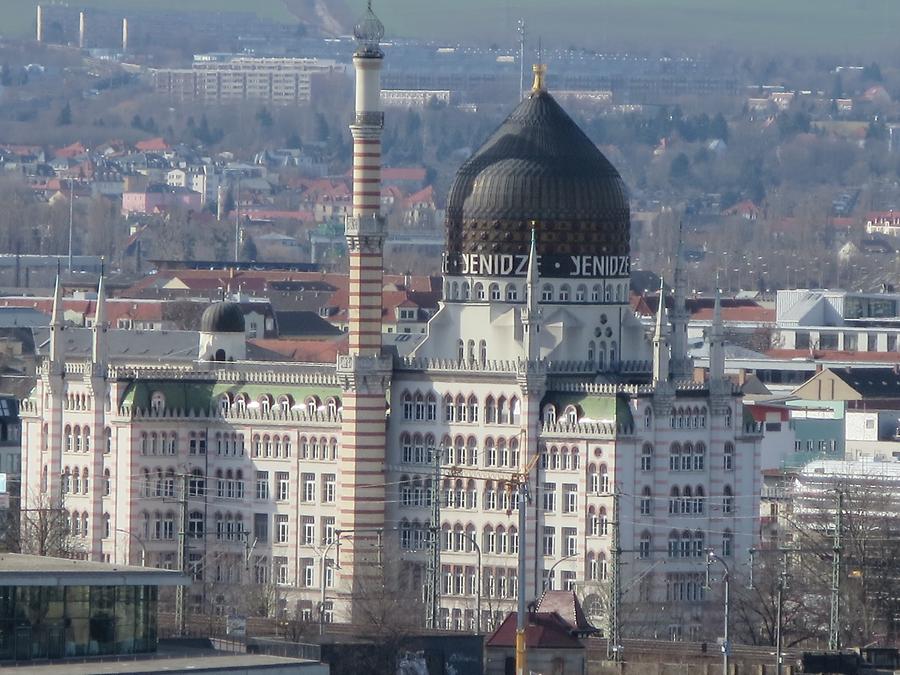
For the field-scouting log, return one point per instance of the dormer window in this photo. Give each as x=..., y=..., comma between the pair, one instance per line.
x=284, y=404
x=406, y=314
x=312, y=406
x=157, y=401
x=571, y=414
x=224, y=403
x=550, y=413
x=265, y=404
x=547, y=293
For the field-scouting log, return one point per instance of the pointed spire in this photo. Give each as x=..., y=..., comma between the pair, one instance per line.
x=56, y=322
x=715, y=339
x=531, y=315
x=98, y=337
x=681, y=365
x=661, y=355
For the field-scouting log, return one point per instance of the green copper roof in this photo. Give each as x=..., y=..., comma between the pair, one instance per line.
x=204, y=395
x=593, y=407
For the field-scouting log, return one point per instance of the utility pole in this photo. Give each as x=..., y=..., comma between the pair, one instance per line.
x=834, y=633
x=182, y=554
x=779, y=609
x=521, y=619
x=432, y=575
x=614, y=644
x=521, y=29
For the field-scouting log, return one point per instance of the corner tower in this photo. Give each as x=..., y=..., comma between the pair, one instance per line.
x=364, y=372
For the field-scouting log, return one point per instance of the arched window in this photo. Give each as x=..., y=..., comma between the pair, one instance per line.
x=490, y=452
x=332, y=408
x=648, y=418
x=224, y=404
x=490, y=410
x=157, y=401
x=675, y=457
x=564, y=293
x=699, y=456
x=673, y=418
x=431, y=408
x=502, y=411
x=550, y=414
x=107, y=487
x=646, y=501
x=571, y=414
x=674, y=543
x=515, y=409
x=728, y=417
x=699, y=500
x=482, y=352
x=687, y=457
x=284, y=404
x=593, y=479
x=613, y=354
x=581, y=293
x=727, y=544
x=472, y=412
x=687, y=500
x=312, y=406
x=604, y=522
x=512, y=294
x=460, y=350
x=479, y=291
x=647, y=457
x=604, y=479
x=674, y=500
x=495, y=291
x=591, y=351
x=265, y=404
x=85, y=486
x=728, y=457
x=465, y=290
x=727, y=500
x=470, y=351
x=601, y=356
x=408, y=408
x=644, y=545
x=547, y=293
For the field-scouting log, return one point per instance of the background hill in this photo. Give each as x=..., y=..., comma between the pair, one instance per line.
x=863, y=27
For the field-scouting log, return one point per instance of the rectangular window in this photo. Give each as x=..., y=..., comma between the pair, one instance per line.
x=549, y=541
x=570, y=500
x=309, y=572
x=261, y=527
x=570, y=536
x=283, y=482
x=281, y=569
x=309, y=530
x=549, y=497
x=309, y=487
x=328, y=530
x=328, y=490
x=281, y=528
x=262, y=485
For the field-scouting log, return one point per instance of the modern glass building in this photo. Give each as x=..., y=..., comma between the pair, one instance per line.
x=55, y=608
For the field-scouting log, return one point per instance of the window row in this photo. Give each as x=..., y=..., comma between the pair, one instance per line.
x=284, y=404
x=166, y=443
x=77, y=402
x=556, y=459
x=276, y=447
x=77, y=481
x=461, y=408
x=510, y=292
x=79, y=524
x=569, y=497
x=690, y=457
x=418, y=449
x=159, y=525
x=78, y=439
x=496, y=582
x=684, y=418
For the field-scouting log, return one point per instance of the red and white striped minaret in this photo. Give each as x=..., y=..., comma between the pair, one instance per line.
x=364, y=372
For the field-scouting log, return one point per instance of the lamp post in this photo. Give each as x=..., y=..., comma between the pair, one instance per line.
x=323, y=562
x=549, y=580
x=472, y=539
x=726, y=647
x=140, y=543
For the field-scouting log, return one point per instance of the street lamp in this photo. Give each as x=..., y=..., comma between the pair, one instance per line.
x=472, y=539
x=140, y=543
x=549, y=580
x=323, y=561
x=726, y=647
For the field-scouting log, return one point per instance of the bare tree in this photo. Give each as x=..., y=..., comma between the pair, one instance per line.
x=45, y=529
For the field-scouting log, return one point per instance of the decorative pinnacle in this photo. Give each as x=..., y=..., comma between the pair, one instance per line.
x=368, y=33
x=539, y=70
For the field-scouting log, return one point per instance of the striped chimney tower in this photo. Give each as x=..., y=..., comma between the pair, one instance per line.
x=364, y=372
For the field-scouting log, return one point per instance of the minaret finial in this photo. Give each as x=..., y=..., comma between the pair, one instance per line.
x=539, y=70
x=368, y=32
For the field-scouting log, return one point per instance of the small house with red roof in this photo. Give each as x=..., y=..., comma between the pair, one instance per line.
x=554, y=634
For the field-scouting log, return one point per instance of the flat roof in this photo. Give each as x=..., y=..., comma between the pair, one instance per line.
x=217, y=663
x=18, y=569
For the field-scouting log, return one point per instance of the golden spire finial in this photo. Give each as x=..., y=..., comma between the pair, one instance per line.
x=539, y=69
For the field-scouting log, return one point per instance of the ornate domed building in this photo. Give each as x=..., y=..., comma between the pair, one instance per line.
x=534, y=375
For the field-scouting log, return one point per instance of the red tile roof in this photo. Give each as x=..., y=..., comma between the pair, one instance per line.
x=566, y=605
x=157, y=144
x=746, y=313
x=73, y=150
x=305, y=351
x=544, y=630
